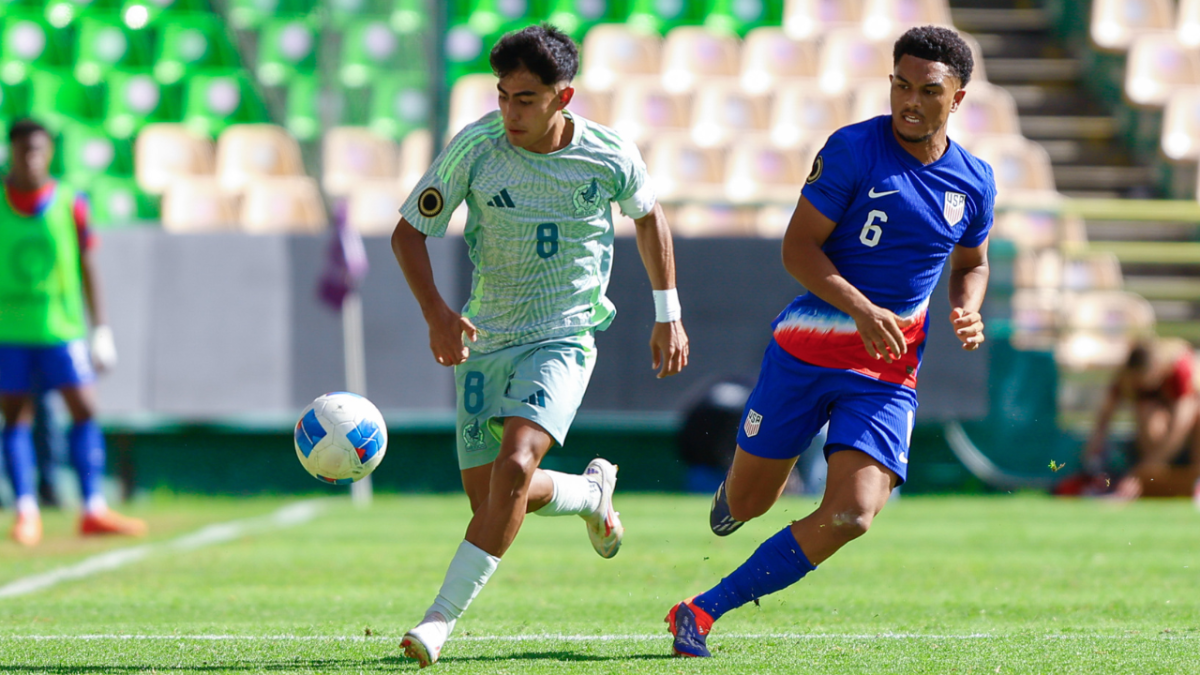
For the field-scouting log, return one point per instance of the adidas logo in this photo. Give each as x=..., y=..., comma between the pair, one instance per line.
x=538, y=399
x=502, y=200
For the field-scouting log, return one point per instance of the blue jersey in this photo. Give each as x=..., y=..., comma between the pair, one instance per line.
x=896, y=222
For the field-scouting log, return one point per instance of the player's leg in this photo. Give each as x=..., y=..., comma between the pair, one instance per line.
x=476, y=482
x=749, y=490
x=44, y=446
x=16, y=364
x=67, y=368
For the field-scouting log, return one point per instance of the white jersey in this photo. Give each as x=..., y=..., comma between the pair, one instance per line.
x=539, y=226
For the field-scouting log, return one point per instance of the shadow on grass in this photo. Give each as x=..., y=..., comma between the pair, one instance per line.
x=554, y=656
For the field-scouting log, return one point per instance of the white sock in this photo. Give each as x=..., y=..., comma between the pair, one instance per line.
x=27, y=505
x=573, y=496
x=469, y=571
x=95, y=504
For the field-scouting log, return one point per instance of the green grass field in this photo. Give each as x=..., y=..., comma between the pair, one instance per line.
x=940, y=585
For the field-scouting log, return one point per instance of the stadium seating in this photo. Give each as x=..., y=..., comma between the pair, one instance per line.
x=577, y=17
x=167, y=152
x=1022, y=169
x=29, y=42
x=685, y=171
x=283, y=204
x=473, y=97
x=770, y=58
x=56, y=99
x=662, y=17
x=691, y=54
x=1098, y=326
x=117, y=201
x=801, y=112
x=848, y=57
x=612, y=52
x=809, y=19
x=88, y=152
x=1187, y=23
x=722, y=113
x=302, y=109
x=198, y=204
x=400, y=104
x=416, y=154
x=134, y=100
x=882, y=19
x=985, y=110
x=215, y=100
x=373, y=207
x=369, y=48
x=354, y=155
x=1181, y=125
x=250, y=153
x=192, y=42
x=758, y=171
x=1115, y=24
x=592, y=105
x=641, y=110
x=104, y=44
x=287, y=48
x=1158, y=64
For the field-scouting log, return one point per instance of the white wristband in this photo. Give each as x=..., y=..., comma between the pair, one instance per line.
x=666, y=306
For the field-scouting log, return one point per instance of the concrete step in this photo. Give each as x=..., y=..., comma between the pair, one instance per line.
x=975, y=19
x=1091, y=177
x=1024, y=70
x=1053, y=99
x=1164, y=287
x=1068, y=126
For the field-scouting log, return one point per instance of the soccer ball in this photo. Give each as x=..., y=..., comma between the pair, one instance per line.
x=340, y=438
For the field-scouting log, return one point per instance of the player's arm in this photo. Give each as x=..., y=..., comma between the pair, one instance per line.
x=882, y=332
x=668, y=341
x=446, y=326
x=1093, y=452
x=968, y=284
x=103, y=346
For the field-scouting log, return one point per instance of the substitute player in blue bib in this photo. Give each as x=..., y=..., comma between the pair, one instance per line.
x=888, y=200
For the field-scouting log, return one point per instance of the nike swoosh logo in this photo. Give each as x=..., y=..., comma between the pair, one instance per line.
x=874, y=195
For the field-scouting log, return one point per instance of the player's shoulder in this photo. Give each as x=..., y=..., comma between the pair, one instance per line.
x=859, y=136
x=598, y=139
x=478, y=136
x=975, y=171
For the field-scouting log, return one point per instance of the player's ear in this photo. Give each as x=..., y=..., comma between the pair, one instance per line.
x=565, y=96
x=957, y=100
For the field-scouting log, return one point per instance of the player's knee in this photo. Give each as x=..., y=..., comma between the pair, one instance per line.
x=514, y=470
x=851, y=523
x=745, y=507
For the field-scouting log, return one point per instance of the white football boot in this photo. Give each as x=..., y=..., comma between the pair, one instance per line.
x=604, y=525
x=424, y=643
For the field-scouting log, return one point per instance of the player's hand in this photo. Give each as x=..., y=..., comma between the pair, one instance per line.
x=882, y=333
x=968, y=328
x=669, y=348
x=446, y=332
x=103, y=349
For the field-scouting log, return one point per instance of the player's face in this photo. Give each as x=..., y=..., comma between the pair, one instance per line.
x=924, y=93
x=531, y=109
x=31, y=159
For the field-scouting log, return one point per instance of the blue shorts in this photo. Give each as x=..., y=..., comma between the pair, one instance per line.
x=794, y=399
x=26, y=369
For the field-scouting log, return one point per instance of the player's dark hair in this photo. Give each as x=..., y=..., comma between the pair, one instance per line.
x=24, y=129
x=1139, y=356
x=542, y=49
x=934, y=43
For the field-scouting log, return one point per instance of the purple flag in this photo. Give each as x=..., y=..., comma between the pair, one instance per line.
x=345, y=262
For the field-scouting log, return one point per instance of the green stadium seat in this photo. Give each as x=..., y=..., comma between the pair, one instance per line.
x=410, y=17
x=213, y=101
x=302, y=111
x=344, y=13
x=286, y=48
x=575, y=17
x=368, y=47
x=14, y=101
x=134, y=100
x=105, y=43
x=661, y=16
x=252, y=14
x=197, y=43
x=139, y=14
x=62, y=13
x=116, y=201
x=88, y=151
x=399, y=105
x=738, y=17
x=56, y=98
x=28, y=42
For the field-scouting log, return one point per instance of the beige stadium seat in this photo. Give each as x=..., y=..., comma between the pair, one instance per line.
x=770, y=57
x=1099, y=327
x=722, y=113
x=472, y=97
x=848, y=58
x=165, y=152
x=591, y=105
x=1041, y=268
x=247, y=152
x=772, y=220
x=684, y=171
x=1021, y=167
x=882, y=19
x=416, y=155
x=1093, y=271
x=283, y=204
x=1157, y=64
x=1039, y=229
x=351, y=155
x=985, y=110
x=978, y=71
x=808, y=19
x=870, y=99
x=714, y=220
x=611, y=52
x=1187, y=23
x=1115, y=24
x=801, y=112
x=1181, y=125
x=691, y=56
x=641, y=110
x=374, y=207
x=756, y=171
x=1036, y=318
x=194, y=204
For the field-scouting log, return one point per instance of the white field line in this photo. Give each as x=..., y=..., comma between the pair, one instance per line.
x=556, y=637
x=293, y=514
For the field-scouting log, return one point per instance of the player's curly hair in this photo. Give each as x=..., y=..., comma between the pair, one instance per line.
x=24, y=129
x=934, y=43
x=542, y=49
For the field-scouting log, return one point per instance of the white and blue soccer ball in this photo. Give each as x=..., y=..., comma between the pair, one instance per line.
x=340, y=438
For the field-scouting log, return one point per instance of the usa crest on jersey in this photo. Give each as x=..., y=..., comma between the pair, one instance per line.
x=956, y=203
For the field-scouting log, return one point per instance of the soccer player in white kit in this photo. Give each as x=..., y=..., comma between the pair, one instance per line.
x=538, y=183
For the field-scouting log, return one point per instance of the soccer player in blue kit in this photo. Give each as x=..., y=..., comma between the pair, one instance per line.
x=887, y=201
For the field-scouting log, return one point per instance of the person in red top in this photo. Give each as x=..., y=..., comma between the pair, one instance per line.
x=1159, y=379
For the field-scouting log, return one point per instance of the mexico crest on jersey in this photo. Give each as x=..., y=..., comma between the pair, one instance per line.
x=587, y=198
x=956, y=203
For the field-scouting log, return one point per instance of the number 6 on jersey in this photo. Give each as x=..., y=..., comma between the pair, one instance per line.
x=871, y=232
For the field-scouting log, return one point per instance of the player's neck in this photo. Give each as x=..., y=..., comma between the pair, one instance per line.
x=926, y=151
x=557, y=137
x=26, y=183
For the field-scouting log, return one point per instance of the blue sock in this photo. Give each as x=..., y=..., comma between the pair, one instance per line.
x=18, y=459
x=774, y=566
x=87, y=456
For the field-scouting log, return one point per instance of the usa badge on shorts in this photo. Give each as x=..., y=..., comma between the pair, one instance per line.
x=753, y=422
x=956, y=203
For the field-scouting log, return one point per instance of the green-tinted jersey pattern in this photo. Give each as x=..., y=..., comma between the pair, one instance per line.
x=539, y=227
